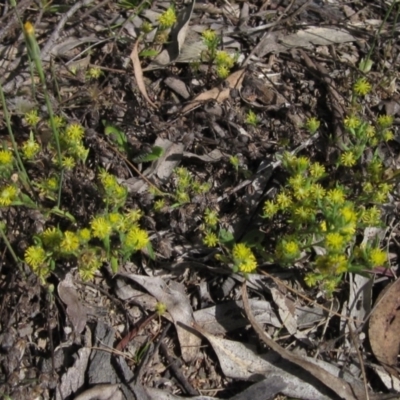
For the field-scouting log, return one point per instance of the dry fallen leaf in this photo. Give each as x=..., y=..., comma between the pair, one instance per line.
x=384, y=328
x=77, y=313
x=177, y=35
x=342, y=388
x=137, y=68
x=179, y=308
x=234, y=81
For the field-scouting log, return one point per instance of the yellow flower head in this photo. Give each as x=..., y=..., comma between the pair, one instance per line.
x=385, y=121
x=312, y=125
x=168, y=18
x=377, y=257
x=136, y=238
x=244, y=258
x=362, y=87
x=101, y=228
x=210, y=239
x=7, y=195
x=70, y=242
x=6, y=157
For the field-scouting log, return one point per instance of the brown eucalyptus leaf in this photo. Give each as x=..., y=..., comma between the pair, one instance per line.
x=137, y=68
x=76, y=311
x=234, y=81
x=384, y=328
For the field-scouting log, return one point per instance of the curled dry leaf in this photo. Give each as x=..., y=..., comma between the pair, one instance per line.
x=384, y=328
x=178, y=36
x=137, y=68
x=101, y=392
x=178, y=306
x=234, y=81
x=343, y=389
x=77, y=313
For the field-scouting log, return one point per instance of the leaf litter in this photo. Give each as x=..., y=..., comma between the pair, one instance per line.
x=200, y=129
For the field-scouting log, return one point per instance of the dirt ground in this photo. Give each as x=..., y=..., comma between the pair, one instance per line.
x=223, y=335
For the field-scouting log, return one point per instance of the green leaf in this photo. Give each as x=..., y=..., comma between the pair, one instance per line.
x=116, y=136
x=253, y=237
x=226, y=237
x=148, y=53
x=155, y=154
x=150, y=250
x=61, y=213
x=114, y=264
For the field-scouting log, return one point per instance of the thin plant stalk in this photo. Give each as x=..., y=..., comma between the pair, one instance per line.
x=34, y=53
x=20, y=164
x=10, y=249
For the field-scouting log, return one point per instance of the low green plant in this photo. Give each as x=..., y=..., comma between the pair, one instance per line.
x=220, y=59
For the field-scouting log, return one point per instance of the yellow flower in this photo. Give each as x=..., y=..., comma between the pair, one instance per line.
x=362, y=87
x=159, y=205
x=6, y=157
x=304, y=214
x=211, y=217
x=51, y=237
x=283, y=200
x=35, y=256
x=75, y=132
x=182, y=197
x=385, y=121
x=388, y=135
x=101, y=228
x=348, y=159
x=244, y=258
x=223, y=58
x=340, y=263
x=317, y=170
x=70, y=242
x=270, y=209
x=68, y=162
x=161, y=308
x=209, y=36
x=29, y=29
x=94, y=72
x=352, y=122
x=30, y=148
x=336, y=196
x=349, y=214
x=312, y=125
x=301, y=192
x=377, y=257
x=370, y=131
x=291, y=248
x=302, y=163
x=311, y=279
x=334, y=241
x=371, y=216
x=32, y=117
x=137, y=238
x=251, y=118
x=297, y=181
x=7, y=195
x=107, y=180
x=223, y=72
x=317, y=191
x=167, y=18
x=210, y=239
x=134, y=215
x=368, y=187
x=84, y=235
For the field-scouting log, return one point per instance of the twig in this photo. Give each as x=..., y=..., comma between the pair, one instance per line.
x=177, y=372
x=340, y=386
x=44, y=54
